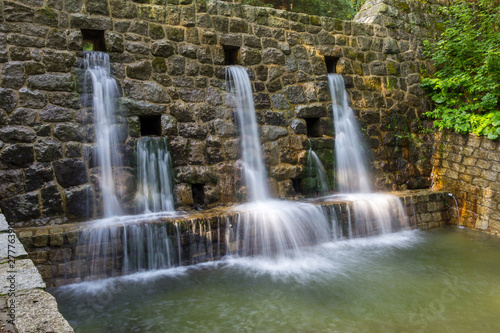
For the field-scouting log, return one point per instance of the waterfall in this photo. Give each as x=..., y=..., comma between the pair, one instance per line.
x=154, y=176
x=265, y=226
x=351, y=157
x=103, y=98
x=318, y=172
x=276, y=228
x=372, y=213
x=127, y=244
x=255, y=173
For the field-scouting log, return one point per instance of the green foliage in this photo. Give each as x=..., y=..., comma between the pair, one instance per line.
x=466, y=85
x=87, y=46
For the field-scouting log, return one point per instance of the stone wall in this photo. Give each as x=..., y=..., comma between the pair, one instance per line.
x=468, y=166
x=169, y=60
x=419, y=17
x=62, y=257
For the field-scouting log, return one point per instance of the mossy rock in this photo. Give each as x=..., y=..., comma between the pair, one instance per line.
x=46, y=16
x=159, y=65
x=156, y=31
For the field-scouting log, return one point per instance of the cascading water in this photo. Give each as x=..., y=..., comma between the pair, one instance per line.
x=276, y=228
x=264, y=226
x=352, y=171
x=154, y=176
x=124, y=244
x=255, y=173
x=103, y=98
x=371, y=213
x=319, y=174
x=127, y=244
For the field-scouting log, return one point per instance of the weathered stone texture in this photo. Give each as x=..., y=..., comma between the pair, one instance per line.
x=170, y=62
x=467, y=166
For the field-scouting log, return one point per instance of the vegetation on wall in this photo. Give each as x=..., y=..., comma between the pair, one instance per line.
x=466, y=84
x=342, y=9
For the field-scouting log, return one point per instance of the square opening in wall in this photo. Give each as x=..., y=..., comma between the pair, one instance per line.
x=150, y=125
x=313, y=127
x=231, y=55
x=198, y=191
x=93, y=40
x=331, y=64
x=297, y=185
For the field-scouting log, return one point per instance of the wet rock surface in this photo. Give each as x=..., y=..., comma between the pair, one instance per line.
x=169, y=62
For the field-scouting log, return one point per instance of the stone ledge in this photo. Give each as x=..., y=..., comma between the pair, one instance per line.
x=58, y=255
x=22, y=285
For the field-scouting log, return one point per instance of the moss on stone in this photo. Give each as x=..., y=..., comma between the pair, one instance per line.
x=156, y=31
x=46, y=15
x=403, y=5
x=159, y=65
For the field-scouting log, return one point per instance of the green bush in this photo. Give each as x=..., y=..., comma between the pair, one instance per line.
x=466, y=84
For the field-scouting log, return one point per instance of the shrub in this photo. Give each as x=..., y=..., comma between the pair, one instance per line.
x=466, y=85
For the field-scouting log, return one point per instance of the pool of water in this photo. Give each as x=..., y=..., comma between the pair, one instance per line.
x=442, y=280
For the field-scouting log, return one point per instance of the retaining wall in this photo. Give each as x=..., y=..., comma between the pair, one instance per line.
x=62, y=258
x=468, y=166
x=169, y=59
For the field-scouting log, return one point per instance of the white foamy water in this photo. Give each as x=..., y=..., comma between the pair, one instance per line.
x=350, y=154
x=276, y=228
x=154, y=176
x=103, y=99
x=251, y=151
x=314, y=164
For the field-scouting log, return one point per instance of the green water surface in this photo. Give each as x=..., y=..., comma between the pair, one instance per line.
x=443, y=280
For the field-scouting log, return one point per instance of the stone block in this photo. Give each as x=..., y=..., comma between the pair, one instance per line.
x=99, y=7
x=52, y=82
x=17, y=156
x=34, y=99
x=37, y=303
x=176, y=65
x=225, y=128
x=81, y=21
x=47, y=149
x=14, y=12
x=70, y=172
x=11, y=183
x=37, y=175
x=46, y=16
x=54, y=114
x=175, y=34
x=17, y=134
x=13, y=75
x=272, y=133
x=138, y=108
x=114, y=42
x=8, y=99
x=80, y=201
x=271, y=56
x=69, y=132
x=123, y=9
x=141, y=70
x=192, y=95
x=311, y=111
x=193, y=130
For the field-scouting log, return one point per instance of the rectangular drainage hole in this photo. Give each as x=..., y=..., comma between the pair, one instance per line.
x=198, y=191
x=297, y=185
x=231, y=55
x=93, y=40
x=150, y=125
x=331, y=64
x=313, y=127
